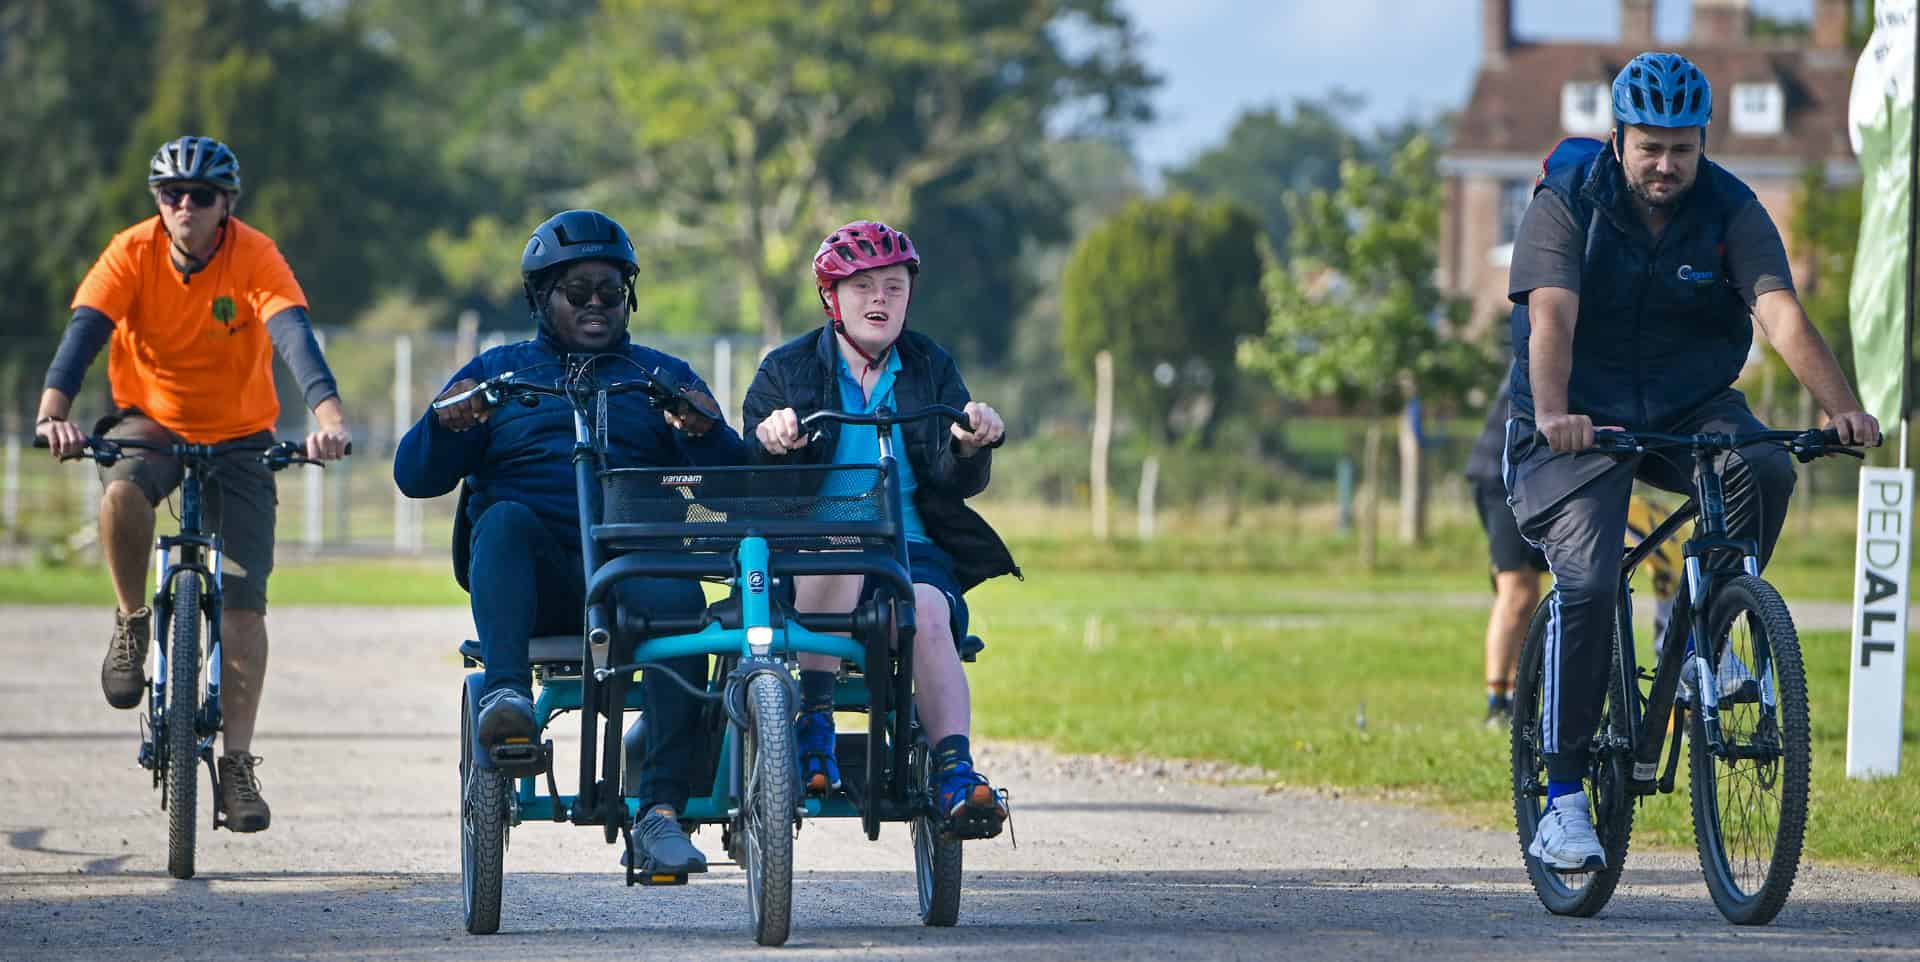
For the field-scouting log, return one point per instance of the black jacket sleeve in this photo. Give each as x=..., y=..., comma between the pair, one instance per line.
x=952, y=474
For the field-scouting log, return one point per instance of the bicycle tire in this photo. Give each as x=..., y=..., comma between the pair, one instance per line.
x=483, y=833
x=937, y=859
x=768, y=809
x=1713, y=778
x=1606, y=780
x=182, y=751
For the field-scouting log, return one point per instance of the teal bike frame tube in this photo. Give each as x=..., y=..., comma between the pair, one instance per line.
x=756, y=609
x=715, y=640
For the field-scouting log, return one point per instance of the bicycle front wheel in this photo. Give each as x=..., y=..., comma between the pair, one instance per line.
x=1582, y=894
x=772, y=783
x=182, y=742
x=1750, y=789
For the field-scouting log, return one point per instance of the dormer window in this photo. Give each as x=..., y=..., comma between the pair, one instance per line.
x=1584, y=108
x=1758, y=109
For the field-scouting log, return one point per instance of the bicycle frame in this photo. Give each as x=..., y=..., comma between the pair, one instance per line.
x=200, y=556
x=762, y=636
x=1678, y=651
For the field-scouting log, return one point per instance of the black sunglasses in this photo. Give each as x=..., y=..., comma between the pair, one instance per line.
x=201, y=196
x=580, y=293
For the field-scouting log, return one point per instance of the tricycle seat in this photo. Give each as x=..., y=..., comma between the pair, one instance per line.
x=543, y=650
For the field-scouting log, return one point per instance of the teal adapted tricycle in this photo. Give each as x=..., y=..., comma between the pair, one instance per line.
x=751, y=529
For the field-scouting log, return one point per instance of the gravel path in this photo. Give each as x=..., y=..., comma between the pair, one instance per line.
x=1131, y=861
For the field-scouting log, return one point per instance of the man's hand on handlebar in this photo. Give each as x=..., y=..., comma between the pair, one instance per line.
x=1568, y=432
x=1856, y=428
x=64, y=437
x=465, y=414
x=780, y=433
x=686, y=413
x=987, y=431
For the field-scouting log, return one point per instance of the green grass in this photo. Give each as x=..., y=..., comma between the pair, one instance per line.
x=378, y=582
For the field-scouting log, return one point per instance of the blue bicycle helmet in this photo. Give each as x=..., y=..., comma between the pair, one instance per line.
x=569, y=236
x=1662, y=90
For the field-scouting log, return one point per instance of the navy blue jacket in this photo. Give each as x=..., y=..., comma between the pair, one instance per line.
x=1661, y=328
x=803, y=374
x=524, y=454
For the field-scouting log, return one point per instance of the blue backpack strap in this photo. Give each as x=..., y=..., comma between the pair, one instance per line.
x=1569, y=152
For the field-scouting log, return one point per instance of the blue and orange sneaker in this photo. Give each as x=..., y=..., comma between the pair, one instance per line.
x=814, y=737
x=969, y=806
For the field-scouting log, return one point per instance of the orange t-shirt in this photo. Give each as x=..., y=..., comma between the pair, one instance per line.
x=193, y=355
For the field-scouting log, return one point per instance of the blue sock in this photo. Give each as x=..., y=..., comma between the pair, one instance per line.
x=952, y=750
x=1557, y=789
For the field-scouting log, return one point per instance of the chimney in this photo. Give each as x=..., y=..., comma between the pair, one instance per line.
x=1830, y=24
x=1496, y=32
x=1636, y=24
x=1720, y=23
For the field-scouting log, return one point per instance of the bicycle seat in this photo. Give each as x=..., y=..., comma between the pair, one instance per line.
x=543, y=650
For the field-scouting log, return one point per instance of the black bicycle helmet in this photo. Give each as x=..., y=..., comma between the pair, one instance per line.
x=199, y=159
x=569, y=236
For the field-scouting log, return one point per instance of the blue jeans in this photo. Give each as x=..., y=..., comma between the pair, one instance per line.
x=528, y=582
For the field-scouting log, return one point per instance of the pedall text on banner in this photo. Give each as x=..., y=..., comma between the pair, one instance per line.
x=1882, y=574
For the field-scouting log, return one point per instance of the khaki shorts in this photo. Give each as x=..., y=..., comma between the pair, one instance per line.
x=238, y=500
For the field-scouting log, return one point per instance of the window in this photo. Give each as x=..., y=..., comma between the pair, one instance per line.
x=1758, y=109
x=1584, y=109
x=1514, y=197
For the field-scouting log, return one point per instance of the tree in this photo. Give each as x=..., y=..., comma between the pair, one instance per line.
x=757, y=125
x=347, y=194
x=1357, y=315
x=1269, y=154
x=66, y=70
x=1170, y=286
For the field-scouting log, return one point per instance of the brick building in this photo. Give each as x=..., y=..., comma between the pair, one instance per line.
x=1780, y=107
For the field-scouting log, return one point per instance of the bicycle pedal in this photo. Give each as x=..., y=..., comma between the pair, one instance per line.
x=519, y=759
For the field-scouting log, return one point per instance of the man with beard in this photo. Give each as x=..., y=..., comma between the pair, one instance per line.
x=517, y=539
x=1637, y=275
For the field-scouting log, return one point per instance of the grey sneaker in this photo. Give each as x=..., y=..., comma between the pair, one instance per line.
x=1564, y=841
x=664, y=848
x=240, y=793
x=123, y=673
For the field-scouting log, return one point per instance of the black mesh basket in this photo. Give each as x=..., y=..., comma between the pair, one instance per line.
x=793, y=506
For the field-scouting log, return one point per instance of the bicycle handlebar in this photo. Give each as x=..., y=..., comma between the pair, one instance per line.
x=1805, y=444
x=884, y=418
x=275, y=455
x=662, y=390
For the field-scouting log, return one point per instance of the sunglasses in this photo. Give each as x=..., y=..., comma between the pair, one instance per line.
x=582, y=293
x=201, y=196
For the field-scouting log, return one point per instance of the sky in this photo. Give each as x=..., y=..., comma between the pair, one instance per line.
x=1218, y=58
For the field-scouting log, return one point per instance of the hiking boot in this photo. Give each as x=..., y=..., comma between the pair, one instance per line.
x=240, y=793
x=969, y=806
x=814, y=738
x=123, y=673
x=1564, y=841
x=665, y=849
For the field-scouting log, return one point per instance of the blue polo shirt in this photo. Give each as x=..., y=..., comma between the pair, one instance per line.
x=860, y=443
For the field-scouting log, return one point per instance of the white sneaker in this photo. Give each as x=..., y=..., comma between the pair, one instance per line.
x=1737, y=684
x=1564, y=840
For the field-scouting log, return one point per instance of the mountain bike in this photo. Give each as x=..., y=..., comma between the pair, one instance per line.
x=1732, y=640
x=183, y=699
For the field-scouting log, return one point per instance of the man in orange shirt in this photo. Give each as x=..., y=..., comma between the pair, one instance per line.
x=194, y=303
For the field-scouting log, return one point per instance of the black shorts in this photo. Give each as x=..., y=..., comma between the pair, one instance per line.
x=1508, y=550
x=933, y=567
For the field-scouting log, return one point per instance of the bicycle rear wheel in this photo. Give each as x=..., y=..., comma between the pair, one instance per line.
x=1606, y=781
x=1750, y=796
x=182, y=742
x=937, y=862
x=768, y=809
